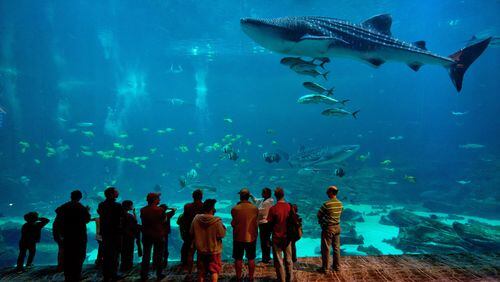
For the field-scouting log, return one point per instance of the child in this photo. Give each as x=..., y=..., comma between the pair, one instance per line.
x=98, y=238
x=131, y=234
x=294, y=249
x=30, y=235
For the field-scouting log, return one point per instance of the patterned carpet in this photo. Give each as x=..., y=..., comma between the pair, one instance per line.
x=454, y=267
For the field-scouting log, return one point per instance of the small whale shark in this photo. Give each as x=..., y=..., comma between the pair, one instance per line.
x=320, y=156
x=370, y=41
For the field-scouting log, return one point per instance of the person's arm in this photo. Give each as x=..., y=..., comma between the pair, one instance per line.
x=321, y=212
x=221, y=230
x=171, y=213
x=233, y=218
x=86, y=214
x=256, y=201
x=42, y=222
x=191, y=229
x=270, y=217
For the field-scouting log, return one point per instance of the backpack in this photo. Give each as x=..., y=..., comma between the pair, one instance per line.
x=293, y=226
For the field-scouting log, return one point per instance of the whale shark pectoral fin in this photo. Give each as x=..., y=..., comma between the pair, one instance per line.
x=381, y=23
x=375, y=62
x=415, y=66
x=326, y=38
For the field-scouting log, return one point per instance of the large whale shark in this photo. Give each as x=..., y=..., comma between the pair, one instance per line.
x=370, y=41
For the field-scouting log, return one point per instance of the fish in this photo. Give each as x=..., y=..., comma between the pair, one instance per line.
x=320, y=156
x=370, y=41
x=290, y=61
x=270, y=131
x=178, y=69
x=313, y=73
x=183, y=148
x=303, y=67
x=386, y=162
x=396, y=138
x=88, y=133
x=175, y=102
x=307, y=171
x=459, y=113
x=228, y=120
x=323, y=60
x=339, y=112
x=471, y=146
x=2, y=113
x=318, y=98
x=392, y=183
x=85, y=124
x=87, y=153
x=411, y=179
x=463, y=182
x=318, y=88
x=24, y=146
x=364, y=157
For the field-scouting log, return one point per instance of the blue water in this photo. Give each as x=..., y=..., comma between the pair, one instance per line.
x=115, y=66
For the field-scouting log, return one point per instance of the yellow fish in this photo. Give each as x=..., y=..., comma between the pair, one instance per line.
x=386, y=162
x=411, y=179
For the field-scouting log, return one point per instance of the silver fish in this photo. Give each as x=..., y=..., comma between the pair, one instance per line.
x=313, y=86
x=339, y=112
x=318, y=98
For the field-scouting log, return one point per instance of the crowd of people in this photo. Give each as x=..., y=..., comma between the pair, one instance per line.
x=118, y=233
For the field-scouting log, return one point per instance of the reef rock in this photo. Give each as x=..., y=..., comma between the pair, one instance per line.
x=350, y=236
x=370, y=250
x=482, y=236
x=351, y=215
x=424, y=234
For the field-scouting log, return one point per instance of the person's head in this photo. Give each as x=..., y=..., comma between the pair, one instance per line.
x=279, y=193
x=266, y=193
x=111, y=193
x=295, y=208
x=153, y=198
x=244, y=194
x=31, y=217
x=332, y=191
x=197, y=195
x=163, y=207
x=209, y=206
x=76, y=195
x=127, y=205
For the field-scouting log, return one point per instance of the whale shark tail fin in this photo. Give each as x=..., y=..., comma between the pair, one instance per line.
x=463, y=59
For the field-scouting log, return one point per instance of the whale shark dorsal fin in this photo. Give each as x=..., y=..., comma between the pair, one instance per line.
x=381, y=23
x=420, y=44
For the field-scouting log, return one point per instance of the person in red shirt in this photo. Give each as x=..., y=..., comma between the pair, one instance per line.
x=153, y=236
x=185, y=220
x=282, y=247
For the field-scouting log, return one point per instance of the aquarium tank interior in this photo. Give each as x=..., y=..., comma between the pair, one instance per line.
x=175, y=95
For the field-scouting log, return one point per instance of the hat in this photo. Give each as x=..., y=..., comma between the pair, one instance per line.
x=152, y=196
x=244, y=191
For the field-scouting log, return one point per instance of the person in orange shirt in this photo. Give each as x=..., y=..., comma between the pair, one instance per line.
x=245, y=226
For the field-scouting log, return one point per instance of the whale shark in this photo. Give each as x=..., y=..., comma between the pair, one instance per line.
x=370, y=41
x=320, y=156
